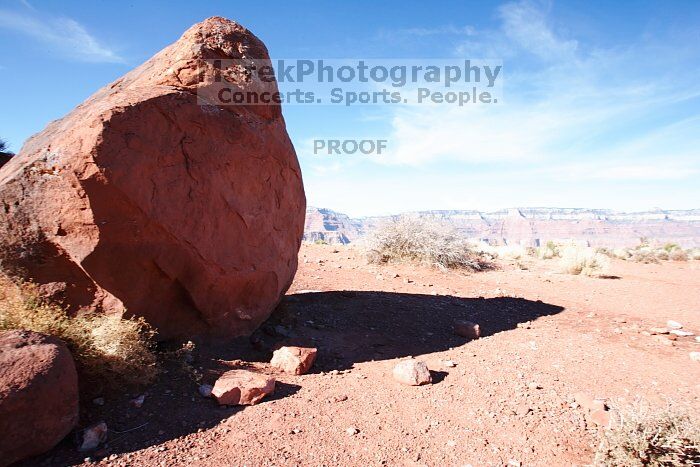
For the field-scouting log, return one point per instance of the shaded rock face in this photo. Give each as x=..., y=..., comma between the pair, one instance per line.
x=38, y=394
x=142, y=201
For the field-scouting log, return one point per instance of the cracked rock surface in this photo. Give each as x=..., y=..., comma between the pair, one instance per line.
x=149, y=197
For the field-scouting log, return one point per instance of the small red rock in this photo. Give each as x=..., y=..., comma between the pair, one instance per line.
x=242, y=387
x=467, y=329
x=412, y=372
x=294, y=360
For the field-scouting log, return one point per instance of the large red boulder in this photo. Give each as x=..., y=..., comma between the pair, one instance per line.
x=38, y=394
x=146, y=200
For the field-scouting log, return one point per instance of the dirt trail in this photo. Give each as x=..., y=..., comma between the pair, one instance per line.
x=508, y=398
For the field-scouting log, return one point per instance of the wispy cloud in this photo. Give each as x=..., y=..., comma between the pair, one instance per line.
x=439, y=30
x=611, y=111
x=63, y=35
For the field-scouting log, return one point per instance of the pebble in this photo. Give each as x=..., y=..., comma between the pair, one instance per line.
x=99, y=401
x=681, y=333
x=138, y=402
x=93, y=436
x=205, y=390
x=352, y=431
x=694, y=356
x=449, y=364
x=673, y=324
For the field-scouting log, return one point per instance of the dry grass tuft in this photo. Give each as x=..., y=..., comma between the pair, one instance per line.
x=423, y=241
x=644, y=437
x=109, y=351
x=583, y=260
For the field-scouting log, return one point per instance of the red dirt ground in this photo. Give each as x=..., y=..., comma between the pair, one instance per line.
x=509, y=398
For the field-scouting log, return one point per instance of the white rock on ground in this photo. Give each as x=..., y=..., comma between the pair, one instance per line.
x=294, y=360
x=93, y=436
x=412, y=372
x=205, y=390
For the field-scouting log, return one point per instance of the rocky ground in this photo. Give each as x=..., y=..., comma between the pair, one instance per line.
x=512, y=397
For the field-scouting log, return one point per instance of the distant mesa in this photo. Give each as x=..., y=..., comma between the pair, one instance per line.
x=529, y=226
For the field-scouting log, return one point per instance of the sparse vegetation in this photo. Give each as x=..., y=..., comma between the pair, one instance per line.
x=424, y=241
x=647, y=252
x=3, y=145
x=109, y=351
x=583, y=260
x=643, y=437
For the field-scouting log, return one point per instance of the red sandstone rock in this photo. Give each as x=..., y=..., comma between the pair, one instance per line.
x=242, y=387
x=141, y=199
x=38, y=394
x=467, y=329
x=412, y=372
x=294, y=360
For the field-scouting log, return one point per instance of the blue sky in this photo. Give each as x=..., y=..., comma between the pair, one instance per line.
x=601, y=100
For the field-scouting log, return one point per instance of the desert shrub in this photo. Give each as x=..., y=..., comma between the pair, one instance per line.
x=662, y=255
x=621, y=253
x=512, y=252
x=108, y=350
x=643, y=437
x=424, y=241
x=678, y=255
x=583, y=260
x=643, y=255
x=694, y=254
x=3, y=145
x=669, y=247
x=549, y=251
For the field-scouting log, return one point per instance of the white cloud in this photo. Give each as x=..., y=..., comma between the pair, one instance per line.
x=63, y=35
x=527, y=25
x=571, y=106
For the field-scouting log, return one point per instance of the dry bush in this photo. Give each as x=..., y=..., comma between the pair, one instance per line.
x=643, y=437
x=678, y=255
x=512, y=252
x=109, y=351
x=694, y=254
x=643, y=255
x=424, y=241
x=583, y=260
x=621, y=253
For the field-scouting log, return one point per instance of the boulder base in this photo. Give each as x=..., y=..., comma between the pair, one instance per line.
x=38, y=394
x=149, y=199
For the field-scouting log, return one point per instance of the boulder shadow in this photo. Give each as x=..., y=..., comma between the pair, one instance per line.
x=347, y=327
x=355, y=326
